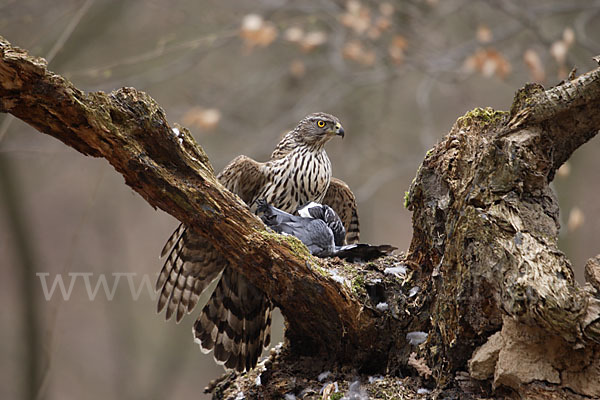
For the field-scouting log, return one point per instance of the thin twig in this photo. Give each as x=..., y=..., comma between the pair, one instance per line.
x=58, y=45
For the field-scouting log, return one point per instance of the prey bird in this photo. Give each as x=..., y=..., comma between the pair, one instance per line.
x=321, y=230
x=235, y=322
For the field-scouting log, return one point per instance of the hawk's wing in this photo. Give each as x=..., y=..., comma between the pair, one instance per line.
x=244, y=177
x=237, y=318
x=191, y=265
x=192, y=262
x=342, y=200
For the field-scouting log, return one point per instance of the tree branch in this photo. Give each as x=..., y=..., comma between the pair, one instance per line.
x=172, y=172
x=484, y=252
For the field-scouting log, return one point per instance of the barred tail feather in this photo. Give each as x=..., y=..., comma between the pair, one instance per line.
x=173, y=246
x=175, y=236
x=235, y=323
x=342, y=200
x=353, y=229
x=192, y=264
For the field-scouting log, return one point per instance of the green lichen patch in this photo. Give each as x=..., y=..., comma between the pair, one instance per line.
x=298, y=248
x=406, y=198
x=481, y=118
x=358, y=283
x=317, y=267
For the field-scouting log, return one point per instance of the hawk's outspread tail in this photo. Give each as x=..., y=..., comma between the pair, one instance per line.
x=235, y=322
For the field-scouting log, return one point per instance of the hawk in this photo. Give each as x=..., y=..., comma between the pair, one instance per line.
x=338, y=195
x=321, y=230
x=236, y=320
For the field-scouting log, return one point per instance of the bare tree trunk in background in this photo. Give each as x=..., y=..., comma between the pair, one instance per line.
x=26, y=267
x=484, y=276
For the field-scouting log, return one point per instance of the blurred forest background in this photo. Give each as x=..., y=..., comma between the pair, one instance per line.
x=239, y=74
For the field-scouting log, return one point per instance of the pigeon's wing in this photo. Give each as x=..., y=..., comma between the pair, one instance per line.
x=329, y=216
x=342, y=200
x=314, y=233
x=244, y=177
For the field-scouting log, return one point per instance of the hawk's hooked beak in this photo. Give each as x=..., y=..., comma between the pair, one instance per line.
x=339, y=130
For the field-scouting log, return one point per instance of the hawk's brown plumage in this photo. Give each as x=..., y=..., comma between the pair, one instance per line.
x=338, y=195
x=236, y=320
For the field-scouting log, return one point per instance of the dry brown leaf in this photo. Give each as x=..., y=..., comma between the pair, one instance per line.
x=257, y=32
x=386, y=9
x=396, y=49
x=297, y=69
x=353, y=6
x=484, y=34
x=534, y=64
x=576, y=219
x=383, y=23
x=357, y=17
x=488, y=62
x=312, y=40
x=419, y=365
x=568, y=36
x=355, y=51
x=352, y=50
x=203, y=118
x=558, y=50
x=293, y=34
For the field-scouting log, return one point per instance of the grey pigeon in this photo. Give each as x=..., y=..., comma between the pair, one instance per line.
x=320, y=229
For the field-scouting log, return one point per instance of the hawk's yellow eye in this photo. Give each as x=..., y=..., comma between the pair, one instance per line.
x=321, y=123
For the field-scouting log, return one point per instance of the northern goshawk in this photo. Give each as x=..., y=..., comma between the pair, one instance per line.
x=235, y=322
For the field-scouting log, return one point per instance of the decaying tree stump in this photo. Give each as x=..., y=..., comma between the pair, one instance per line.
x=486, y=228
x=484, y=300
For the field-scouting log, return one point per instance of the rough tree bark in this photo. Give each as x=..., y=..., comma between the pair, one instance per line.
x=483, y=276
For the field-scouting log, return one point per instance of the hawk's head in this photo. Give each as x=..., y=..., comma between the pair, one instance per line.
x=316, y=129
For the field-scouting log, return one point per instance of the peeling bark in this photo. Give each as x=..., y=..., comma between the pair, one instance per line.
x=483, y=276
x=486, y=224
